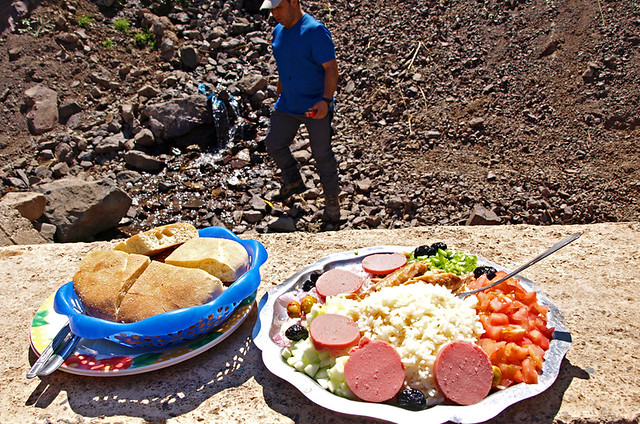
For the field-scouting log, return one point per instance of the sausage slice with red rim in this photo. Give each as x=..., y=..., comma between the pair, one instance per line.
x=334, y=332
x=463, y=372
x=337, y=281
x=384, y=263
x=374, y=371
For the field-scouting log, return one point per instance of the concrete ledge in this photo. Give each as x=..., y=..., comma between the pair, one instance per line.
x=594, y=281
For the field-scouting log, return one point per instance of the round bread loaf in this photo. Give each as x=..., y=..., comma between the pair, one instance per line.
x=163, y=287
x=156, y=240
x=104, y=276
x=223, y=258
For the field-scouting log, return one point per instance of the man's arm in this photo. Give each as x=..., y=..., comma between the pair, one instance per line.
x=330, y=86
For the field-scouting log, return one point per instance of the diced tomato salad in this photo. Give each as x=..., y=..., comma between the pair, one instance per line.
x=516, y=333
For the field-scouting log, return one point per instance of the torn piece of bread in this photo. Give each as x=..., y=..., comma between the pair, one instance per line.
x=223, y=258
x=104, y=276
x=157, y=239
x=162, y=288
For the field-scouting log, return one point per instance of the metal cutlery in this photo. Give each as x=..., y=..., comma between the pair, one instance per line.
x=54, y=355
x=562, y=243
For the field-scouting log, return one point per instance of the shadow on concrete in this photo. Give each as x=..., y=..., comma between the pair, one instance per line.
x=544, y=407
x=158, y=395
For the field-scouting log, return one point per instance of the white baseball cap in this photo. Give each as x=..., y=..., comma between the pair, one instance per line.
x=270, y=4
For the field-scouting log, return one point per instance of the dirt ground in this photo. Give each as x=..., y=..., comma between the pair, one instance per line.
x=529, y=108
x=593, y=281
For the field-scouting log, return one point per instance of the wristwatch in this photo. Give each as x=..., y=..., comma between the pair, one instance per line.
x=328, y=101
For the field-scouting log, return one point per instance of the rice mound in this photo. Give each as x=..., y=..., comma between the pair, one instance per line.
x=417, y=320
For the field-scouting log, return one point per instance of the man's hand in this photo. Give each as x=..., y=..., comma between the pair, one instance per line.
x=321, y=108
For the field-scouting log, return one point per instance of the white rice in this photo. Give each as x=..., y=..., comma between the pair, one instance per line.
x=417, y=320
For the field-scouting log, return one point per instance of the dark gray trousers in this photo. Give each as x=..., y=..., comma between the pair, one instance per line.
x=282, y=131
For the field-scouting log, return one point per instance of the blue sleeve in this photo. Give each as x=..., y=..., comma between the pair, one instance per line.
x=322, y=49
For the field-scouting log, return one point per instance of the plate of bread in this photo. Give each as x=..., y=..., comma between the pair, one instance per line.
x=102, y=358
x=162, y=288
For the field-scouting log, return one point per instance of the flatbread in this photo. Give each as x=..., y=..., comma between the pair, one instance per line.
x=223, y=258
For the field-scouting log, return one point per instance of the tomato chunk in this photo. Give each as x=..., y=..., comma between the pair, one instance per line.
x=516, y=329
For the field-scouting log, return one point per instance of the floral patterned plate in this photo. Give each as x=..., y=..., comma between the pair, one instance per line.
x=102, y=358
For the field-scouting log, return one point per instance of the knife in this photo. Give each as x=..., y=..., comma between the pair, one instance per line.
x=54, y=355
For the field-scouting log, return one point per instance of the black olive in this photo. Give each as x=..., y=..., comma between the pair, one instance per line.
x=296, y=333
x=412, y=399
x=311, y=281
x=439, y=245
x=489, y=270
x=424, y=250
x=308, y=285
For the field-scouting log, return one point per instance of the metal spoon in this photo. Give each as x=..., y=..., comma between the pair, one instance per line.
x=562, y=243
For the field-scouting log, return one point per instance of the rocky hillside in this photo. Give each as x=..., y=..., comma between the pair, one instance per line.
x=449, y=112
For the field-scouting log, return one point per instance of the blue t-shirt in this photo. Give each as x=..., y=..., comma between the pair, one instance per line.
x=300, y=52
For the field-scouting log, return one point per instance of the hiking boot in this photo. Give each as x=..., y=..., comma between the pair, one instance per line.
x=288, y=190
x=331, y=209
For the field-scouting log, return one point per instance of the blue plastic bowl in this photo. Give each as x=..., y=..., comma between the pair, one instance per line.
x=171, y=327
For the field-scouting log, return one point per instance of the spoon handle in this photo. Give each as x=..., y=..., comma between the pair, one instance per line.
x=562, y=243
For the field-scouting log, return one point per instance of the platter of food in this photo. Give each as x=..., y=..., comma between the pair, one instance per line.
x=379, y=332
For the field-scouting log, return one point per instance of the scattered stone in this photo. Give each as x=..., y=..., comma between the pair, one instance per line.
x=190, y=57
x=476, y=122
x=591, y=73
x=14, y=54
x=483, y=216
x=282, y=224
x=143, y=162
x=42, y=105
x=16, y=229
x=30, y=204
x=251, y=84
x=148, y=92
x=144, y=138
x=68, y=109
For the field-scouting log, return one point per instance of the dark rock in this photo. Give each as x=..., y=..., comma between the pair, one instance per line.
x=284, y=224
x=143, y=162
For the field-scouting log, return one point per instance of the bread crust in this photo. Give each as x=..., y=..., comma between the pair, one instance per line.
x=223, y=258
x=104, y=276
x=156, y=240
x=163, y=287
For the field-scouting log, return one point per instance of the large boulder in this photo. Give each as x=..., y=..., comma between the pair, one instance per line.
x=177, y=117
x=81, y=209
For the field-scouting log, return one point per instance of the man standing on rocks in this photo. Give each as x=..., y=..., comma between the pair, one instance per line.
x=307, y=81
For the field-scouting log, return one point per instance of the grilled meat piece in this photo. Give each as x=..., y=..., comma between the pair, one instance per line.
x=402, y=275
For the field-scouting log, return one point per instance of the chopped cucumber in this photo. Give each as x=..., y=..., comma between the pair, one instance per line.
x=319, y=365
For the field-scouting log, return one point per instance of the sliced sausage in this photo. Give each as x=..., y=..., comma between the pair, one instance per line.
x=336, y=281
x=337, y=333
x=374, y=371
x=463, y=372
x=384, y=263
